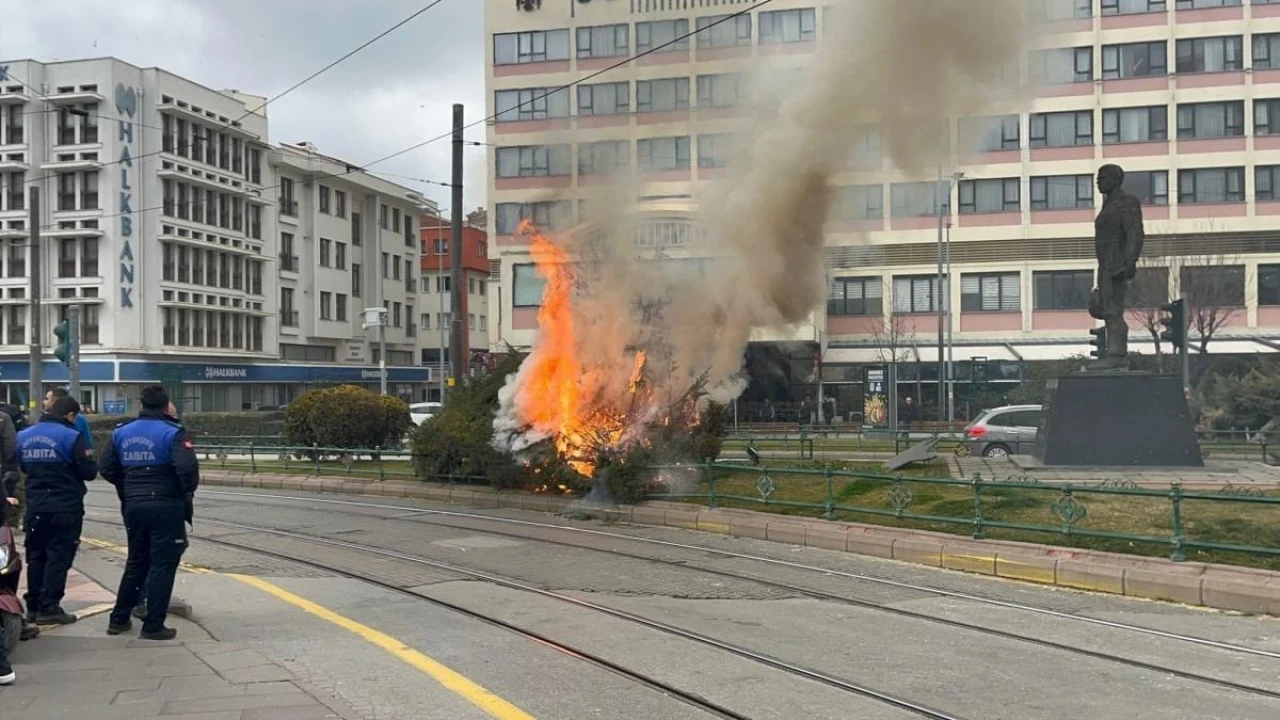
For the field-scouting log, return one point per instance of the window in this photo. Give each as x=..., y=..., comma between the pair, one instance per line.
x=788, y=26
x=444, y=283
x=727, y=90
x=1212, y=54
x=529, y=104
x=989, y=134
x=1151, y=187
x=66, y=191
x=1266, y=117
x=484, y=324
x=1200, y=4
x=1061, y=65
x=67, y=258
x=991, y=292
x=721, y=31
x=1211, y=120
x=324, y=200
x=662, y=95
x=89, y=190
x=916, y=199
x=1062, y=289
x=990, y=196
x=1134, y=60
x=715, y=150
x=1061, y=192
x=1061, y=129
x=89, y=124
x=326, y=303
x=603, y=41
x=604, y=99
x=550, y=215
x=1066, y=9
x=339, y=203
x=662, y=36
x=1149, y=288
x=856, y=296
x=526, y=286
x=532, y=161
x=857, y=202
x=1266, y=183
x=530, y=47
x=1140, y=124
x=1211, y=185
x=386, y=265
x=1266, y=51
x=13, y=124
x=918, y=294
x=663, y=154
x=395, y=219
x=604, y=158
x=1131, y=7
x=326, y=248
x=1220, y=286
x=1269, y=285
x=340, y=256
x=357, y=231
x=356, y=279
x=89, y=257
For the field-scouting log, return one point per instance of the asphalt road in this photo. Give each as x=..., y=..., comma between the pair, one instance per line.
x=883, y=640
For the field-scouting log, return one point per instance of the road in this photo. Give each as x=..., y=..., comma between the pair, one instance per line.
x=659, y=623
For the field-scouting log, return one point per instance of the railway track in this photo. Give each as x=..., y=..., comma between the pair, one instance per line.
x=686, y=697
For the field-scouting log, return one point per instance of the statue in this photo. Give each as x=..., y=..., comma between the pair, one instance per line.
x=1118, y=241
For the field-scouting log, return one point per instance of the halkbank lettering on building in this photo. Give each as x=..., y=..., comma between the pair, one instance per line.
x=127, y=108
x=226, y=373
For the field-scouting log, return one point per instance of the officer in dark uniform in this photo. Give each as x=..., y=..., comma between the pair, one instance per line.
x=58, y=463
x=154, y=461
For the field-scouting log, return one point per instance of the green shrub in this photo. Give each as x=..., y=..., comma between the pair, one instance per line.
x=345, y=416
x=396, y=421
x=206, y=427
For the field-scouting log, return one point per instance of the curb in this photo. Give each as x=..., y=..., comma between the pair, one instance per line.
x=1221, y=587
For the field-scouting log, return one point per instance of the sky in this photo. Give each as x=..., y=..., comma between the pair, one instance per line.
x=396, y=93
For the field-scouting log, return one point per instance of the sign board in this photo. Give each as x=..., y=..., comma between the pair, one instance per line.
x=115, y=407
x=875, y=398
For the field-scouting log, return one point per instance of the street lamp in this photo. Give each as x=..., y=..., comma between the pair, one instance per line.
x=944, y=296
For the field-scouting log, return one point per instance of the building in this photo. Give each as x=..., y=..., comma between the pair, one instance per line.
x=162, y=217
x=1185, y=96
x=436, y=299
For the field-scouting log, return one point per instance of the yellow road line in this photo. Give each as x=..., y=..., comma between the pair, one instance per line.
x=456, y=683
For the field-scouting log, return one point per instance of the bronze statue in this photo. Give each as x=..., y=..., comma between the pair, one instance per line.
x=1118, y=241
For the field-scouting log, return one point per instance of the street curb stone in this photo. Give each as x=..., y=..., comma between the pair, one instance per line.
x=1223, y=587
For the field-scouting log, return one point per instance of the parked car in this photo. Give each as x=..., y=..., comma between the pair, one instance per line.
x=1003, y=431
x=422, y=412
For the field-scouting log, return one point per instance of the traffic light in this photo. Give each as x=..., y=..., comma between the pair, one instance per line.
x=1174, y=320
x=1099, y=342
x=66, y=343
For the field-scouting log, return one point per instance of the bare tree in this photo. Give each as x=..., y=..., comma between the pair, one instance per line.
x=894, y=340
x=1148, y=291
x=1215, y=290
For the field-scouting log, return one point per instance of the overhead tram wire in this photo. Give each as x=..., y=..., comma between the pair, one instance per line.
x=363, y=168
x=230, y=125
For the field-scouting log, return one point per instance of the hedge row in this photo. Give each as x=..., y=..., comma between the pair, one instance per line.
x=203, y=425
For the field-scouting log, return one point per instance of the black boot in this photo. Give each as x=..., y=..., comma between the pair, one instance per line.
x=55, y=616
x=115, y=628
x=163, y=633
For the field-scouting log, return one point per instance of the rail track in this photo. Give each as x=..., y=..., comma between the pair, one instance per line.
x=684, y=696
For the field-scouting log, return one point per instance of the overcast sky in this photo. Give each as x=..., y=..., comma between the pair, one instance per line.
x=396, y=93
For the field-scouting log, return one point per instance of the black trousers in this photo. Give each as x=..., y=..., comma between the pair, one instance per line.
x=157, y=540
x=52, y=540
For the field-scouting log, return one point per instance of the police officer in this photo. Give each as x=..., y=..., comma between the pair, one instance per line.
x=154, y=461
x=57, y=462
x=140, y=610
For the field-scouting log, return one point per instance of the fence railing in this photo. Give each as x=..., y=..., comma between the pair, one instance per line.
x=1232, y=519
x=254, y=455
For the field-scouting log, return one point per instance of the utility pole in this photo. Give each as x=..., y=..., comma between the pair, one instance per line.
x=458, y=297
x=73, y=367
x=35, y=390
x=382, y=295
x=940, y=298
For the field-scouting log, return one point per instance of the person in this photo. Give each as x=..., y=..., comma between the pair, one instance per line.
x=153, y=461
x=910, y=413
x=81, y=424
x=58, y=464
x=140, y=610
x=8, y=501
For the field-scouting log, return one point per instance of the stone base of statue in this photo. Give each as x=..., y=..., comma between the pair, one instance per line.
x=1117, y=419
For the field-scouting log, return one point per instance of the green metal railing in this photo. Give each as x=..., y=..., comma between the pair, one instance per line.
x=1065, y=507
x=253, y=455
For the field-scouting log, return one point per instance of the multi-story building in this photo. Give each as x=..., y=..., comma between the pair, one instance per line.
x=436, y=300
x=1184, y=95
x=158, y=216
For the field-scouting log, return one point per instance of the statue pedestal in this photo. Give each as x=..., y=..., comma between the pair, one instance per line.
x=1117, y=419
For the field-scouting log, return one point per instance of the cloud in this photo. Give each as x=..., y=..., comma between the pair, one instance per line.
x=394, y=94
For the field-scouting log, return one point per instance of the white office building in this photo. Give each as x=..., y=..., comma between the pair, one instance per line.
x=194, y=263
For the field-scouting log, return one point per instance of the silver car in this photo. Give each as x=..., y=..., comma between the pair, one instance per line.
x=1003, y=431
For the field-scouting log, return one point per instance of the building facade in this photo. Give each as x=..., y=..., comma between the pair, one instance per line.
x=162, y=217
x=1185, y=96
x=437, y=300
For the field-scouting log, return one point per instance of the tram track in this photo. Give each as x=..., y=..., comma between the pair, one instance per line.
x=689, y=698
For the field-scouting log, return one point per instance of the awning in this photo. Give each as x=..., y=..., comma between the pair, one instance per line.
x=917, y=353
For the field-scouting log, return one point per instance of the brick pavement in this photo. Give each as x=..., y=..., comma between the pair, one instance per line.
x=78, y=671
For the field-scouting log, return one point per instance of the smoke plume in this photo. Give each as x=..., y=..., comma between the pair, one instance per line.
x=891, y=70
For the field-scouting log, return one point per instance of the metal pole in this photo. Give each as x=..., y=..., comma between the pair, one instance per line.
x=951, y=346
x=73, y=367
x=439, y=250
x=35, y=392
x=382, y=295
x=1182, y=351
x=458, y=298
x=940, y=299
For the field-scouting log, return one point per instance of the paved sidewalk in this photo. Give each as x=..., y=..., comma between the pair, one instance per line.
x=80, y=672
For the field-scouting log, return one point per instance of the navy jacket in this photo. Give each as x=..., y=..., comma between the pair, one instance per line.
x=151, y=458
x=58, y=463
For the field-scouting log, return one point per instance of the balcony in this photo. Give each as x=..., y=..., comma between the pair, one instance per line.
x=288, y=263
x=289, y=318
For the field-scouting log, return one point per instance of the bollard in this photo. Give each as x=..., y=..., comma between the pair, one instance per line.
x=709, y=471
x=315, y=450
x=831, y=494
x=1179, y=537
x=979, y=532
x=253, y=461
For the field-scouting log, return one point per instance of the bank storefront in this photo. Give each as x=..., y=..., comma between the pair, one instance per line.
x=112, y=385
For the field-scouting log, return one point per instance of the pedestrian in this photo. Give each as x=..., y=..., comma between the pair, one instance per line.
x=81, y=423
x=58, y=463
x=140, y=610
x=8, y=499
x=829, y=410
x=154, y=461
x=910, y=413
